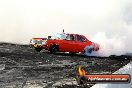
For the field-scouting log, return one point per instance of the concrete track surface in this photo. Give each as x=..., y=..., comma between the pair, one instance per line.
x=23, y=67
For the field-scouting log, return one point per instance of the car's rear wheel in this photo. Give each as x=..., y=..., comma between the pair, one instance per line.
x=53, y=49
x=38, y=49
x=87, y=51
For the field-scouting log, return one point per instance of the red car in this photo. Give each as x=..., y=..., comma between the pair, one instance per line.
x=72, y=43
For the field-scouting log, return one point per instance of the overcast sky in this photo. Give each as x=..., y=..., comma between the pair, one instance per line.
x=21, y=20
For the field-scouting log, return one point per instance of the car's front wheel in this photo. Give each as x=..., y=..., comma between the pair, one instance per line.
x=53, y=49
x=38, y=49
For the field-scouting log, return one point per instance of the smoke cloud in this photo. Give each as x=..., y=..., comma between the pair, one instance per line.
x=117, y=39
x=107, y=22
x=114, y=45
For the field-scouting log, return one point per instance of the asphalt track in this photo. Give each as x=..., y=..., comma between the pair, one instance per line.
x=23, y=67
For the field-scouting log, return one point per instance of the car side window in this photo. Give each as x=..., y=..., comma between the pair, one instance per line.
x=80, y=38
x=71, y=37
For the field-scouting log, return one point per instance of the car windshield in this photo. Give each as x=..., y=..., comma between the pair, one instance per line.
x=59, y=36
